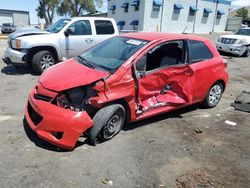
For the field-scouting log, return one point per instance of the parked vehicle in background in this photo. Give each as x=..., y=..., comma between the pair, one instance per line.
x=237, y=44
x=124, y=79
x=64, y=39
x=7, y=28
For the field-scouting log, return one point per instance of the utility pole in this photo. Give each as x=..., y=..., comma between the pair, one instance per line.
x=197, y=1
x=162, y=15
x=215, y=14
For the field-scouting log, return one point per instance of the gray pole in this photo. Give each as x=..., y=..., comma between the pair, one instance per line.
x=161, y=15
x=195, y=16
x=215, y=14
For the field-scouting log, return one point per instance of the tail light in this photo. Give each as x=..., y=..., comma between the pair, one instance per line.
x=225, y=63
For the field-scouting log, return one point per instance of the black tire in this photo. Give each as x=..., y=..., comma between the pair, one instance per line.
x=102, y=121
x=43, y=60
x=208, y=101
x=246, y=53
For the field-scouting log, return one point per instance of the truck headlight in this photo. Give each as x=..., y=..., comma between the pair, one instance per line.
x=16, y=43
x=241, y=41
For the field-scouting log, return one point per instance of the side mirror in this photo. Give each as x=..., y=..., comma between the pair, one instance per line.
x=68, y=32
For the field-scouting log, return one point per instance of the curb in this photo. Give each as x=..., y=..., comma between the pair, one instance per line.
x=3, y=37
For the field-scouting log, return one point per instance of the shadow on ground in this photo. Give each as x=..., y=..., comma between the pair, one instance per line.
x=17, y=70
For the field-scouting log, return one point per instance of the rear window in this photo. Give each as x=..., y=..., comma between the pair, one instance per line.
x=104, y=27
x=198, y=51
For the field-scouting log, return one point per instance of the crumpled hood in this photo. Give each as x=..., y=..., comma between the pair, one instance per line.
x=69, y=74
x=26, y=32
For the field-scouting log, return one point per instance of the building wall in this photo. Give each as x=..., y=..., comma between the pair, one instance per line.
x=174, y=20
x=18, y=18
x=128, y=17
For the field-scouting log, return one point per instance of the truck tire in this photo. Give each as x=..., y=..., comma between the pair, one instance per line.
x=43, y=60
x=213, y=96
x=246, y=53
x=108, y=122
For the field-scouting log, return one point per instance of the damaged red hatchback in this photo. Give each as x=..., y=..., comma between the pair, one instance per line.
x=124, y=79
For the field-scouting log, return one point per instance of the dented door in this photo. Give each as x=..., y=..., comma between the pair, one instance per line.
x=165, y=86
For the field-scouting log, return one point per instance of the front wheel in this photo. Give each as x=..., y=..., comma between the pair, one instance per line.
x=43, y=60
x=108, y=122
x=213, y=96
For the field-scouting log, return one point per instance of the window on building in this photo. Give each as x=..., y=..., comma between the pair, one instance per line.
x=112, y=8
x=198, y=46
x=121, y=24
x=206, y=12
x=168, y=54
x=125, y=7
x=157, y=4
x=219, y=14
x=135, y=24
x=177, y=8
x=81, y=27
x=135, y=4
x=193, y=10
x=104, y=27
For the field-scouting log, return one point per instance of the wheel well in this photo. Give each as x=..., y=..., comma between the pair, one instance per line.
x=222, y=83
x=124, y=103
x=34, y=50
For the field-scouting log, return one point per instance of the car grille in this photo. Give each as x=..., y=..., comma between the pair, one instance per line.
x=228, y=41
x=34, y=116
x=42, y=97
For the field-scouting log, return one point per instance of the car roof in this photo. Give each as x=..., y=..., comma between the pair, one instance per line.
x=151, y=36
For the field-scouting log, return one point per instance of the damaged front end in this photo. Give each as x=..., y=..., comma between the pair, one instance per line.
x=60, y=118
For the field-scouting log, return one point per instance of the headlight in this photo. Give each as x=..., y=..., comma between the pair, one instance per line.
x=241, y=41
x=16, y=43
x=218, y=39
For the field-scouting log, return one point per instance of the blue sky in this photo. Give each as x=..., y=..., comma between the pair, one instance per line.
x=31, y=5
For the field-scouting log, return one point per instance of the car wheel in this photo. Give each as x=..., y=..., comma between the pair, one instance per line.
x=43, y=60
x=213, y=96
x=108, y=122
x=246, y=53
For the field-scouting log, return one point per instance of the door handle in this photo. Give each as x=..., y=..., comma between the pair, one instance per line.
x=89, y=40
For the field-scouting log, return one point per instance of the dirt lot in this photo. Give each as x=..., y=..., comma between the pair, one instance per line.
x=189, y=148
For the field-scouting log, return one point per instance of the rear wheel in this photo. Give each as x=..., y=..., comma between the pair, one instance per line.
x=108, y=122
x=213, y=96
x=43, y=60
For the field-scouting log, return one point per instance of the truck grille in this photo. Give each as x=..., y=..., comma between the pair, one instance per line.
x=34, y=116
x=228, y=41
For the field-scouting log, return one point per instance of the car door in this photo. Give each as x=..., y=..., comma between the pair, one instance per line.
x=164, y=78
x=77, y=38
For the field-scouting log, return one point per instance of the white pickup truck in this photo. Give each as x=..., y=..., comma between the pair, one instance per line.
x=66, y=38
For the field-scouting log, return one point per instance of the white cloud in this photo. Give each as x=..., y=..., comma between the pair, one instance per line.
x=240, y=3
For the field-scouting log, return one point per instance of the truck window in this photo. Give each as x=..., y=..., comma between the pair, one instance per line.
x=81, y=27
x=104, y=27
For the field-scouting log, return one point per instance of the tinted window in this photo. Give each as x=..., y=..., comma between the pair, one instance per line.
x=243, y=32
x=104, y=27
x=81, y=27
x=198, y=51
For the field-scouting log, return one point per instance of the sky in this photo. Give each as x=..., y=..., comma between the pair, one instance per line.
x=31, y=5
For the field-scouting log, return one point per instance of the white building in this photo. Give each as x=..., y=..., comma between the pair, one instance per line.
x=189, y=16
x=16, y=17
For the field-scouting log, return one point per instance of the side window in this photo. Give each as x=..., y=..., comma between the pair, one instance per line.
x=104, y=27
x=198, y=51
x=81, y=27
x=168, y=54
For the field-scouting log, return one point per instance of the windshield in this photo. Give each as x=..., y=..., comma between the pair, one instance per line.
x=57, y=26
x=7, y=24
x=243, y=32
x=112, y=53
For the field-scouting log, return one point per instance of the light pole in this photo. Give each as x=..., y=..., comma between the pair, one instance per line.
x=215, y=14
x=161, y=16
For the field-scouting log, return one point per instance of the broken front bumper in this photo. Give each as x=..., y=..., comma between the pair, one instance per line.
x=56, y=125
x=14, y=56
x=236, y=49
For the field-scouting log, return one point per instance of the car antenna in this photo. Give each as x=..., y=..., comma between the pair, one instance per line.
x=183, y=32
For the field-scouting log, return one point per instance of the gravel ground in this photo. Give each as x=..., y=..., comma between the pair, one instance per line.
x=192, y=147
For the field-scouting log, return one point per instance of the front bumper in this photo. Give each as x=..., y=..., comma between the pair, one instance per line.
x=49, y=121
x=13, y=56
x=237, y=49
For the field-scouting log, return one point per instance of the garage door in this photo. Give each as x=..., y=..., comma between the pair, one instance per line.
x=5, y=18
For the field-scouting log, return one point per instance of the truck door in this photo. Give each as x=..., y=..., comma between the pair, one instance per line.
x=77, y=38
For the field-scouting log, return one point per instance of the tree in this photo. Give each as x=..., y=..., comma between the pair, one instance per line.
x=47, y=9
x=242, y=12
x=78, y=7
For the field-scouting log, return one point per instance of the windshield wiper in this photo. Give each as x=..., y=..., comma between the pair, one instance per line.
x=85, y=62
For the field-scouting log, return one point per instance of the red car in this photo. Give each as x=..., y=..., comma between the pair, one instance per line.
x=124, y=79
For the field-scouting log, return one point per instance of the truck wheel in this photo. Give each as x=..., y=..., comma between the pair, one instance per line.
x=108, y=122
x=246, y=53
x=213, y=96
x=43, y=60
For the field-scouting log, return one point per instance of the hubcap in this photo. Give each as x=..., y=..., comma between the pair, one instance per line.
x=215, y=94
x=47, y=61
x=112, y=127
